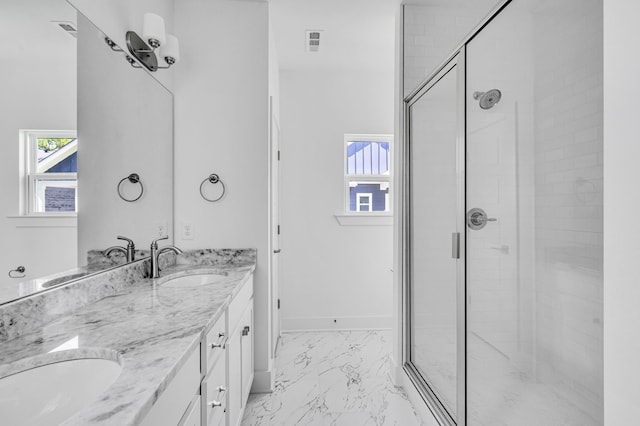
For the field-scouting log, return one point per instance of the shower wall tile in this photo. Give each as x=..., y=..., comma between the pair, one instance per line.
x=431, y=33
x=569, y=201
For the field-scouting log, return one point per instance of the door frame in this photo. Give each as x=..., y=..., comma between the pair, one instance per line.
x=455, y=64
x=274, y=225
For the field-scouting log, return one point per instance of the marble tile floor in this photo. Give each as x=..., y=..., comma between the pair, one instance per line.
x=332, y=379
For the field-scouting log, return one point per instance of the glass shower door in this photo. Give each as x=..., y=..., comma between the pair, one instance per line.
x=433, y=352
x=534, y=216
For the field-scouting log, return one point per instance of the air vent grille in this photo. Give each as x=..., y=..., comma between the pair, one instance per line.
x=312, y=40
x=68, y=27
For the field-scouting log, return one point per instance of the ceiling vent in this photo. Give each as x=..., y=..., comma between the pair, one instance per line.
x=312, y=41
x=68, y=27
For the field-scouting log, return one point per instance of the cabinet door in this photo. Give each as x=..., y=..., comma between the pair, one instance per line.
x=234, y=380
x=193, y=416
x=246, y=326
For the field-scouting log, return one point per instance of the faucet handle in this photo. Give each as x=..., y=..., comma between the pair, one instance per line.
x=130, y=241
x=155, y=242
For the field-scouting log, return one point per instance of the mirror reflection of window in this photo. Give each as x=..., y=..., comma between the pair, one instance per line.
x=51, y=172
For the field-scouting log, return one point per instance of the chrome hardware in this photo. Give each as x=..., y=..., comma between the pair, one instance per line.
x=20, y=270
x=221, y=390
x=455, y=245
x=504, y=249
x=477, y=219
x=221, y=342
x=277, y=251
x=155, y=255
x=134, y=178
x=213, y=179
x=129, y=252
x=245, y=330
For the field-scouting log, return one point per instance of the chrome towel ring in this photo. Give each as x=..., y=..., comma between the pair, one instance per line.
x=20, y=270
x=213, y=179
x=133, y=178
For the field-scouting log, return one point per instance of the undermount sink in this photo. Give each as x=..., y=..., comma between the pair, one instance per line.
x=195, y=280
x=61, y=280
x=51, y=393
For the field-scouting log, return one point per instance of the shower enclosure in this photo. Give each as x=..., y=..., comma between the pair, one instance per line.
x=503, y=230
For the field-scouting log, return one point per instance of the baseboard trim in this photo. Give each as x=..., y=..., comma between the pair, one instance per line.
x=263, y=381
x=395, y=371
x=336, y=323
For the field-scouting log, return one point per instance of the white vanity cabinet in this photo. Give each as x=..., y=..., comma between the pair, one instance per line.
x=240, y=353
x=212, y=387
x=176, y=404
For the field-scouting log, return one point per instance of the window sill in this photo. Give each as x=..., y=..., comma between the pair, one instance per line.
x=364, y=219
x=45, y=221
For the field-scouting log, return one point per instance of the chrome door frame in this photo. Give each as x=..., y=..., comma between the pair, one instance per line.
x=456, y=59
x=455, y=64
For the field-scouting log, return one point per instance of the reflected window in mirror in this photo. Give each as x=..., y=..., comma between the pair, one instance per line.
x=50, y=169
x=368, y=174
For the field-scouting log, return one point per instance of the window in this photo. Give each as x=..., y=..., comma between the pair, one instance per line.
x=363, y=202
x=50, y=174
x=368, y=173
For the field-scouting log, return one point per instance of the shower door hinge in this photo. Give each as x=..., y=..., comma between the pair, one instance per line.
x=455, y=245
x=278, y=155
x=278, y=229
x=278, y=303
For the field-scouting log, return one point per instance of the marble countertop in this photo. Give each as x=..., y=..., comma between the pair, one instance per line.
x=150, y=329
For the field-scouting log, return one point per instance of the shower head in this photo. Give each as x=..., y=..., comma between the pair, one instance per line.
x=488, y=99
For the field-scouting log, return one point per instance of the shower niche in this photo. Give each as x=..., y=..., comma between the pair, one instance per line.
x=503, y=208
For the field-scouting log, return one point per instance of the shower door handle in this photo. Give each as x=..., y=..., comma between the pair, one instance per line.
x=455, y=245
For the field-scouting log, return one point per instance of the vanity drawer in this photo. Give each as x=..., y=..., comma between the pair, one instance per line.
x=214, y=344
x=239, y=303
x=214, y=393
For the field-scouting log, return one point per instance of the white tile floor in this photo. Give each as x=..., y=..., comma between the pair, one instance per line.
x=332, y=379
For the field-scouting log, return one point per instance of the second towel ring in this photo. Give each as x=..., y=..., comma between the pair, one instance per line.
x=213, y=179
x=133, y=178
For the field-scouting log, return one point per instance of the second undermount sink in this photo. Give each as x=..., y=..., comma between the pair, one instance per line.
x=51, y=393
x=60, y=280
x=196, y=280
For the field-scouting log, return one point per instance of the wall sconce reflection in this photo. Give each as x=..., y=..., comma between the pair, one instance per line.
x=143, y=49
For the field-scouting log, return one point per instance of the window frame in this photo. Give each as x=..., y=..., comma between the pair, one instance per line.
x=353, y=137
x=359, y=204
x=29, y=177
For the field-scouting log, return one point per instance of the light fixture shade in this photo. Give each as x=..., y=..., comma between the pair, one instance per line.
x=153, y=29
x=171, y=49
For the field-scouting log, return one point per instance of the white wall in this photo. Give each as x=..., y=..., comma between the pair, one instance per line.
x=116, y=17
x=38, y=87
x=329, y=271
x=125, y=123
x=221, y=113
x=621, y=204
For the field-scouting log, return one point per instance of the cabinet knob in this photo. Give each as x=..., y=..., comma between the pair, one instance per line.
x=245, y=330
x=220, y=343
x=221, y=391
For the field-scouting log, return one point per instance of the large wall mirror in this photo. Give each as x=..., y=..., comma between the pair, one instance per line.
x=65, y=78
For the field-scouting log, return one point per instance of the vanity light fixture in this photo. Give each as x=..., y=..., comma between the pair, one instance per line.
x=144, y=48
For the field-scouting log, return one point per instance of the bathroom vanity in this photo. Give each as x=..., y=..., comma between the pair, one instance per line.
x=184, y=341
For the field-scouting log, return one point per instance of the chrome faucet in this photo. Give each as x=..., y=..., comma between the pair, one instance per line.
x=130, y=251
x=155, y=255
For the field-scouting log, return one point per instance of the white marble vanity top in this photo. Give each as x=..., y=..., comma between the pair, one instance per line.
x=152, y=330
